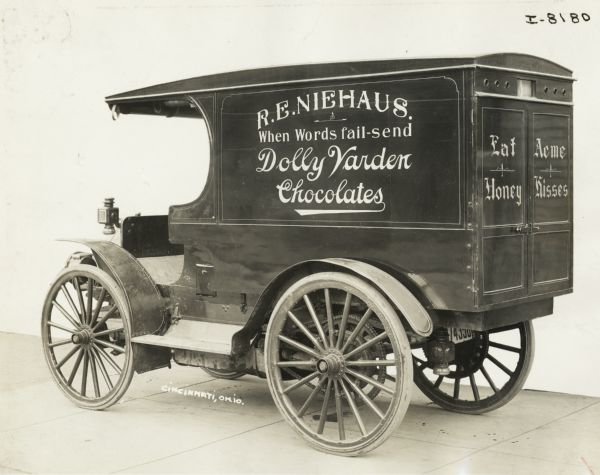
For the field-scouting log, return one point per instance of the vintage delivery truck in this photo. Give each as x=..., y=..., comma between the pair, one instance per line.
x=362, y=224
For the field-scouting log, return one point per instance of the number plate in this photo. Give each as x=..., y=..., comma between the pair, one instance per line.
x=458, y=335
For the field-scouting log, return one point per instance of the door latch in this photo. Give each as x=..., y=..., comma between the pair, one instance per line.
x=526, y=228
x=521, y=228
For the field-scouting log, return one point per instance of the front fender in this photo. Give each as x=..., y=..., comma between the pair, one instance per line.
x=147, y=307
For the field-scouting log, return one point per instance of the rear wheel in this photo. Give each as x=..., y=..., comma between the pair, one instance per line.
x=338, y=363
x=494, y=364
x=86, y=331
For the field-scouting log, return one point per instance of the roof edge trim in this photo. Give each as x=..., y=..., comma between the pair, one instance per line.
x=120, y=98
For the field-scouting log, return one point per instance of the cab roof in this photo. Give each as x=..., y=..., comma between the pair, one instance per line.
x=252, y=78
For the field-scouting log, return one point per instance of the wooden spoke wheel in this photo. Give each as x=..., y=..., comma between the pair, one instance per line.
x=323, y=364
x=488, y=370
x=223, y=373
x=86, y=332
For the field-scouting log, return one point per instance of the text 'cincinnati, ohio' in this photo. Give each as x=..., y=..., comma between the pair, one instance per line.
x=209, y=395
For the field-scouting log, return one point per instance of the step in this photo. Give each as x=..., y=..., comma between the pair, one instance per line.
x=194, y=335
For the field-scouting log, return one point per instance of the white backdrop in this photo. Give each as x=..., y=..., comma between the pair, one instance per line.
x=61, y=153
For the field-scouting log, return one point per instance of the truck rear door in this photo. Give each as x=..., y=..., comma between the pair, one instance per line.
x=551, y=190
x=524, y=158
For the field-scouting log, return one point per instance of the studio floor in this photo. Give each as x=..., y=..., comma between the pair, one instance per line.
x=155, y=431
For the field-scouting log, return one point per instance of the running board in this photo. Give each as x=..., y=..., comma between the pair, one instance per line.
x=195, y=336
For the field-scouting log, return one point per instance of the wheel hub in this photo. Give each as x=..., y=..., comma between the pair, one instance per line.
x=371, y=353
x=331, y=364
x=82, y=337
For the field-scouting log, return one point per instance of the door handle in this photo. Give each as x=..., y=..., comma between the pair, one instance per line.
x=521, y=228
x=526, y=228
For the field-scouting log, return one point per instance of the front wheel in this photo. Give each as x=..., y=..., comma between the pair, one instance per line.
x=86, y=337
x=338, y=363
